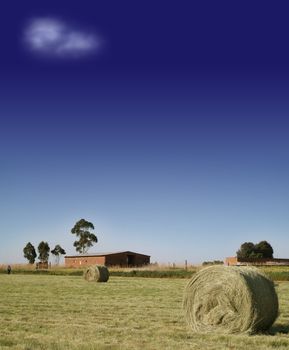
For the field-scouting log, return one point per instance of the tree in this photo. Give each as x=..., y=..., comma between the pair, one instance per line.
x=86, y=238
x=29, y=253
x=43, y=250
x=57, y=251
x=265, y=249
x=246, y=250
x=260, y=250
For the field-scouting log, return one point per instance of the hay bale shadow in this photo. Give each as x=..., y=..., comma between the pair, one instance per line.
x=279, y=328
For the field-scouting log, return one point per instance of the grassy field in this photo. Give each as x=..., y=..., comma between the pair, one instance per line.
x=66, y=312
x=150, y=271
x=276, y=273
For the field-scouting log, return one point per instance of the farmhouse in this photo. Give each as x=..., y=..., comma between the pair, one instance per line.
x=123, y=259
x=234, y=261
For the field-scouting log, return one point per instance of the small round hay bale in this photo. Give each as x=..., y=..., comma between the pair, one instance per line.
x=98, y=273
x=230, y=299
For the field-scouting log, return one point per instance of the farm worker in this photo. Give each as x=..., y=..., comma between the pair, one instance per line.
x=9, y=269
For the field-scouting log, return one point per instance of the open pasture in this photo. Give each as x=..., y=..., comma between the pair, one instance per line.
x=66, y=312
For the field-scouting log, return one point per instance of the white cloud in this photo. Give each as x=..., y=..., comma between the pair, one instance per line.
x=55, y=38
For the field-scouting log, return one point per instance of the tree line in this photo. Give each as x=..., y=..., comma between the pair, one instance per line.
x=43, y=252
x=82, y=230
x=261, y=250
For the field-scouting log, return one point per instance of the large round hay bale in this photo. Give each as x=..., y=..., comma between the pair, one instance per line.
x=230, y=299
x=97, y=273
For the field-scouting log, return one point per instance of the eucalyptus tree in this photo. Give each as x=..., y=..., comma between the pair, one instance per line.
x=57, y=252
x=43, y=250
x=29, y=253
x=82, y=230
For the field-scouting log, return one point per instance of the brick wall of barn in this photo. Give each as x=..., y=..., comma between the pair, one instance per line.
x=231, y=261
x=118, y=259
x=84, y=261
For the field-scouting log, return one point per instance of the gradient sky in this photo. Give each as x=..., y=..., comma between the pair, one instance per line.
x=171, y=135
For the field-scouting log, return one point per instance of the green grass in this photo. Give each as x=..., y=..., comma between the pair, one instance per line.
x=277, y=273
x=151, y=272
x=66, y=312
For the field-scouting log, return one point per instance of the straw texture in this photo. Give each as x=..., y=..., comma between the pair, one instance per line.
x=98, y=273
x=229, y=299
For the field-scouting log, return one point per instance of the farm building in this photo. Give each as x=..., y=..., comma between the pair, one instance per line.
x=124, y=259
x=234, y=261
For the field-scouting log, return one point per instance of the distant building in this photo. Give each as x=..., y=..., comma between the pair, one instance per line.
x=234, y=261
x=123, y=259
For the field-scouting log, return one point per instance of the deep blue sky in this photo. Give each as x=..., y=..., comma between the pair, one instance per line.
x=172, y=138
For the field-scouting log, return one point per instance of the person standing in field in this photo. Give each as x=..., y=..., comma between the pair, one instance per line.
x=9, y=269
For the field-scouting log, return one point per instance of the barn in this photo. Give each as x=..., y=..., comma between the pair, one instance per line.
x=123, y=259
